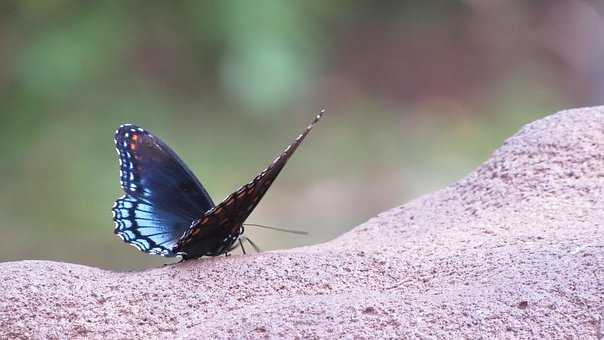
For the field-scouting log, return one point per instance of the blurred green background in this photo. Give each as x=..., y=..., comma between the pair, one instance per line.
x=418, y=93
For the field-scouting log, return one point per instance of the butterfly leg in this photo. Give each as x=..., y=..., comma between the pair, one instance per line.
x=241, y=245
x=256, y=248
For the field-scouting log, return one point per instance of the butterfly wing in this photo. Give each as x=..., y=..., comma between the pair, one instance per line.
x=230, y=214
x=162, y=196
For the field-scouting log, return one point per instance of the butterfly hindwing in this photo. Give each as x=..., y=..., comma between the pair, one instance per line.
x=163, y=197
x=146, y=227
x=235, y=209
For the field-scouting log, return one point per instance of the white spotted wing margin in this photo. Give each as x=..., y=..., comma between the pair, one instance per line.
x=235, y=208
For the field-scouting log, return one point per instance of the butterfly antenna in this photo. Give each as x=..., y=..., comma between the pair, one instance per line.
x=276, y=229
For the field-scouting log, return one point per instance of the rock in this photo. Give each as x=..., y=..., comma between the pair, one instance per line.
x=514, y=250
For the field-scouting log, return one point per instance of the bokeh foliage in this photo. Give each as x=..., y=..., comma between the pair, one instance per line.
x=418, y=93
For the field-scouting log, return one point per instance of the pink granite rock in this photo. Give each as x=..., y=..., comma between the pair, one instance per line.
x=514, y=250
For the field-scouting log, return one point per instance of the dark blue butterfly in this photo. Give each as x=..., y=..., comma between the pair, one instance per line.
x=165, y=209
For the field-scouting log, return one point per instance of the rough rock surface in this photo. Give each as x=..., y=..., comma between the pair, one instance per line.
x=514, y=250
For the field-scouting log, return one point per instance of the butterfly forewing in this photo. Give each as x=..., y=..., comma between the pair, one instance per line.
x=235, y=209
x=163, y=197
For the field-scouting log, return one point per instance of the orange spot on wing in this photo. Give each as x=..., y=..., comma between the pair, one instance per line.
x=133, y=141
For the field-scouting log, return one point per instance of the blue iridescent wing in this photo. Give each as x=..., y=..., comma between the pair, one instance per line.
x=162, y=196
x=230, y=214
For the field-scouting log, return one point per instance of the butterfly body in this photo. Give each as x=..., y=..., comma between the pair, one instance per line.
x=165, y=209
x=211, y=238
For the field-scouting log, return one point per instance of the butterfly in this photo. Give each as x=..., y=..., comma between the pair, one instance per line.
x=166, y=211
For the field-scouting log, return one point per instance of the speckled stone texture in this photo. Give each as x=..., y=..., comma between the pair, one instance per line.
x=514, y=250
